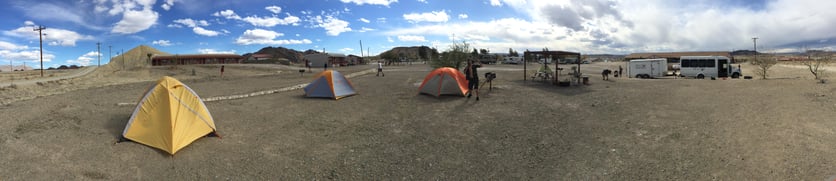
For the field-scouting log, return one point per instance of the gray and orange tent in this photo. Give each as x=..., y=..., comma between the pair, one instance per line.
x=444, y=81
x=170, y=116
x=330, y=84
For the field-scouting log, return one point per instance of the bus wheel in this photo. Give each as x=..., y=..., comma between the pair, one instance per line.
x=735, y=75
x=701, y=76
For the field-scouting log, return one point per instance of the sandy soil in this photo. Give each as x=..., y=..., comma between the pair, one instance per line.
x=660, y=129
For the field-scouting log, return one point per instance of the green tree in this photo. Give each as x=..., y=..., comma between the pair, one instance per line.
x=513, y=53
x=454, y=57
x=484, y=51
x=388, y=57
x=474, y=52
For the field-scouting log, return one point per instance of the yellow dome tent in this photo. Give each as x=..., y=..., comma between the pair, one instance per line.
x=169, y=116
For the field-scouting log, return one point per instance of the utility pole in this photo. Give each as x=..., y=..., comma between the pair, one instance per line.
x=109, y=52
x=99, y=52
x=40, y=29
x=755, y=42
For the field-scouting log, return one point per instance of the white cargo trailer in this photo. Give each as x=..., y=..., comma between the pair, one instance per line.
x=647, y=68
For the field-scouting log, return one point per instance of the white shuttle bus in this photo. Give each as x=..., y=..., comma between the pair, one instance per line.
x=707, y=66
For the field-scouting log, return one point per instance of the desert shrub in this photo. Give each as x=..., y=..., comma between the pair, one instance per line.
x=454, y=56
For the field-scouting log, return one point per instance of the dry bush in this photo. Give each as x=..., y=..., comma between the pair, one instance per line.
x=762, y=64
x=816, y=61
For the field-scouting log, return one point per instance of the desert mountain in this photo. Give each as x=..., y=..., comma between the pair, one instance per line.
x=132, y=59
x=413, y=52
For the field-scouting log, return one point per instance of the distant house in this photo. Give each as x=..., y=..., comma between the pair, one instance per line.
x=320, y=59
x=260, y=57
x=355, y=60
x=159, y=60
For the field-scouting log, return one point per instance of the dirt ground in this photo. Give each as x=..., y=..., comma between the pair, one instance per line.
x=660, y=129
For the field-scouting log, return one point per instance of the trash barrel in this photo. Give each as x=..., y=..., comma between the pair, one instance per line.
x=585, y=80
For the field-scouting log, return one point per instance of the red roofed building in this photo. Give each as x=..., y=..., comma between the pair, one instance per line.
x=159, y=60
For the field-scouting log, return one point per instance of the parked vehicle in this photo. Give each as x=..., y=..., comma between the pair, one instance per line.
x=707, y=66
x=647, y=68
x=512, y=60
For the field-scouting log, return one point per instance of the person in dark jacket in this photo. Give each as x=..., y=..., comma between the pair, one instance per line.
x=472, y=77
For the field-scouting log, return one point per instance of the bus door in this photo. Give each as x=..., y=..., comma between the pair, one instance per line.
x=723, y=68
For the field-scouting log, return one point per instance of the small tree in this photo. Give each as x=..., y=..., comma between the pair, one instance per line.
x=763, y=62
x=816, y=61
x=512, y=53
x=455, y=55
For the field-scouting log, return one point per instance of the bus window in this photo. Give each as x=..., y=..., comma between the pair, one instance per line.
x=684, y=63
x=710, y=63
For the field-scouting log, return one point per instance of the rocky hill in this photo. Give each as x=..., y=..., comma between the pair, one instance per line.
x=133, y=58
x=413, y=52
x=282, y=52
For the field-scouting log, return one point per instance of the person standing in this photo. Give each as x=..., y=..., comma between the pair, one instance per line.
x=308, y=65
x=222, y=71
x=380, y=69
x=472, y=77
x=605, y=74
x=325, y=67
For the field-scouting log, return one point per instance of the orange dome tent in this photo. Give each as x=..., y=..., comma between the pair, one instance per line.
x=444, y=81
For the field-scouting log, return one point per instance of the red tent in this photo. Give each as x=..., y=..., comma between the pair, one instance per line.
x=444, y=81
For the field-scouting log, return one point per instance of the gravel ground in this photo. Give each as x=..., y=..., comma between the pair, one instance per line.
x=660, y=129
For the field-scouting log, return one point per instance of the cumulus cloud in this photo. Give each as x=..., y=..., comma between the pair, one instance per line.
x=346, y=50
x=192, y=23
x=164, y=43
x=167, y=4
x=332, y=25
x=205, y=32
x=271, y=21
x=213, y=51
x=86, y=59
x=54, y=36
x=135, y=21
x=11, y=46
x=274, y=9
x=26, y=55
x=389, y=39
x=422, y=1
x=496, y=3
x=266, y=37
x=364, y=20
x=462, y=16
x=412, y=38
x=228, y=14
x=435, y=16
x=137, y=15
x=370, y=2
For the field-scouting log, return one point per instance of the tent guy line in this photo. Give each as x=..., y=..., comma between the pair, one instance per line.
x=259, y=93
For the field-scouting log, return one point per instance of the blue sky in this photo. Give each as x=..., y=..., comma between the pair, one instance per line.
x=588, y=26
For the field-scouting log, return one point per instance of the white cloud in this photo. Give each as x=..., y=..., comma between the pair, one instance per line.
x=412, y=38
x=496, y=3
x=205, y=32
x=381, y=20
x=346, y=50
x=137, y=16
x=274, y=9
x=266, y=37
x=271, y=21
x=191, y=23
x=462, y=16
x=228, y=14
x=364, y=29
x=435, y=16
x=422, y=1
x=135, y=21
x=213, y=51
x=26, y=55
x=53, y=36
x=332, y=25
x=58, y=11
x=364, y=20
x=167, y=4
x=371, y=2
x=11, y=46
x=85, y=60
x=164, y=43
x=389, y=39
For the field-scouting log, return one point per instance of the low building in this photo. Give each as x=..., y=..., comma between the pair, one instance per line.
x=159, y=60
x=260, y=57
x=320, y=59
